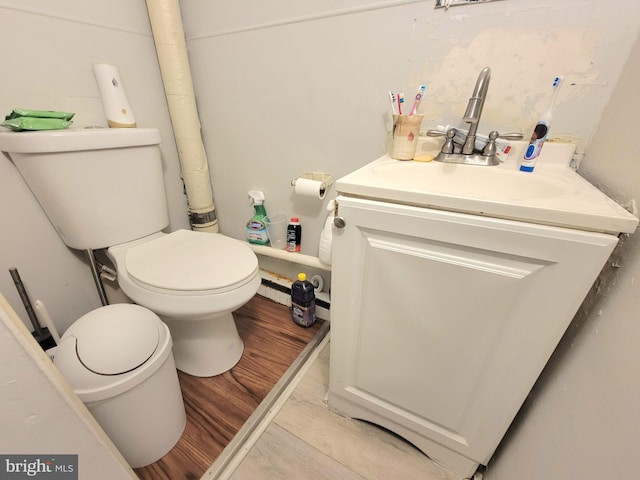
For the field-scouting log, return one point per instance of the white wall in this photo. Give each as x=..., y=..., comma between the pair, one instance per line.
x=290, y=86
x=582, y=419
x=287, y=86
x=48, y=49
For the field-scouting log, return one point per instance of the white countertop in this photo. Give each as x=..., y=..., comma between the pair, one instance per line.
x=553, y=194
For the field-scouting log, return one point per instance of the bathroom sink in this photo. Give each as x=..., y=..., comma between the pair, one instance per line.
x=554, y=194
x=469, y=181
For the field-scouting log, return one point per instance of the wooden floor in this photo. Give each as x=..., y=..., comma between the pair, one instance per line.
x=306, y=440
x=218, y=406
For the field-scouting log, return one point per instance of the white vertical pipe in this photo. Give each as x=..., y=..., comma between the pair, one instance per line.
x=168, y=34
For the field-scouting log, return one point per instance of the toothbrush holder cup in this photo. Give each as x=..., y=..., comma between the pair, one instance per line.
x=406, y=131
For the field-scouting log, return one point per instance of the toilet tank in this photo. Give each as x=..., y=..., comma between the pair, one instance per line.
x=99, y=187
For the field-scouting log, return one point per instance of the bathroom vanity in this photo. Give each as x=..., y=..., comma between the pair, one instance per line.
x=451, y=287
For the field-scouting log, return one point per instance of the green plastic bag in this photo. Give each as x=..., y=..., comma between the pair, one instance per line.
x=21, y=119
x=21, y=112
x=34, y=123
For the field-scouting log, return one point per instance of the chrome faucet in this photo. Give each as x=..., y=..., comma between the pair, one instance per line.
x=474, y=109
x=451, y=151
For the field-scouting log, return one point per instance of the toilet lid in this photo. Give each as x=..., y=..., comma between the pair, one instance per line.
x=191, y=262
x=115, y=339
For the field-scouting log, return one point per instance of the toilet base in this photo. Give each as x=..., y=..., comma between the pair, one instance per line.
x=205, y=348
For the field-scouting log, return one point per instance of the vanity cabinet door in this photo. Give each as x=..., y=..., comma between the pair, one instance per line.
x=441, y=322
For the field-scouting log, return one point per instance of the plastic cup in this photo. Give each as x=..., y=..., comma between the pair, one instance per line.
x=406, y=131
x=277, y=229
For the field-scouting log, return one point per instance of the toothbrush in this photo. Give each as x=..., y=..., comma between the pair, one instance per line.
x=416, y=102
x=540, y=132
x=392, y=99
x=400, y=102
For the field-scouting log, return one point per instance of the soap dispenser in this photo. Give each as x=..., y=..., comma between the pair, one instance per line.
x=326, y=237
x=256, y=227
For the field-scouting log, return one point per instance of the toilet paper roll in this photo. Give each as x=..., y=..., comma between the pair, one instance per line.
x=310, y=188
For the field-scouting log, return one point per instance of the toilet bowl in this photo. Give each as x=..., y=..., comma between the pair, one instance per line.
x=118, y=360
x=193, y=280
x=104, y=189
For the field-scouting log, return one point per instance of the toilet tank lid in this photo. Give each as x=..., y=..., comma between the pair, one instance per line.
x=115, y=339
x=76, y=139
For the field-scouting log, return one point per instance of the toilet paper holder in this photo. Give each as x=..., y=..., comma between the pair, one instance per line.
x=323, y=177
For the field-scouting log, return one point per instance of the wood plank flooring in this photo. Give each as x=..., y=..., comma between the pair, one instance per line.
x=218, y=406
x=306, y=440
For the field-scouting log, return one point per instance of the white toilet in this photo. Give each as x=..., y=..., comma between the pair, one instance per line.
x=104, y=188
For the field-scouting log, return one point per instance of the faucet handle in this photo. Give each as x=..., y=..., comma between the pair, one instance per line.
x=490, y=148
x=436, y=133
x=511, y=136
x=448, y=146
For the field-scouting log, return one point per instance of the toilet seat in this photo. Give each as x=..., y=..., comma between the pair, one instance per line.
x=185, y=262
x=186, y=304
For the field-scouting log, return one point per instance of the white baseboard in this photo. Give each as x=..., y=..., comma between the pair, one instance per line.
x=278, y=288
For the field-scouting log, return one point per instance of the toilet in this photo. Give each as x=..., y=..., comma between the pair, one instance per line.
x=104, y=189
x=118, y=361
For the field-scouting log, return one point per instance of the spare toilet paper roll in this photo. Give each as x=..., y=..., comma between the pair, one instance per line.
x=310, y=188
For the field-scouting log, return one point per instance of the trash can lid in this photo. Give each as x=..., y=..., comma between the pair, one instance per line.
x=115, y=339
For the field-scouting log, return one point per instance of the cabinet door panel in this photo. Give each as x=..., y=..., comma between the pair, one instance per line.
x=449, y=319
x=441, y=322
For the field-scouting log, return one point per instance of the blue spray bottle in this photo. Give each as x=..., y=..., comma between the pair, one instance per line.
x=540, y=132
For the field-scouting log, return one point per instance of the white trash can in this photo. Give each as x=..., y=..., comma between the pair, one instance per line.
x=118, y=360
